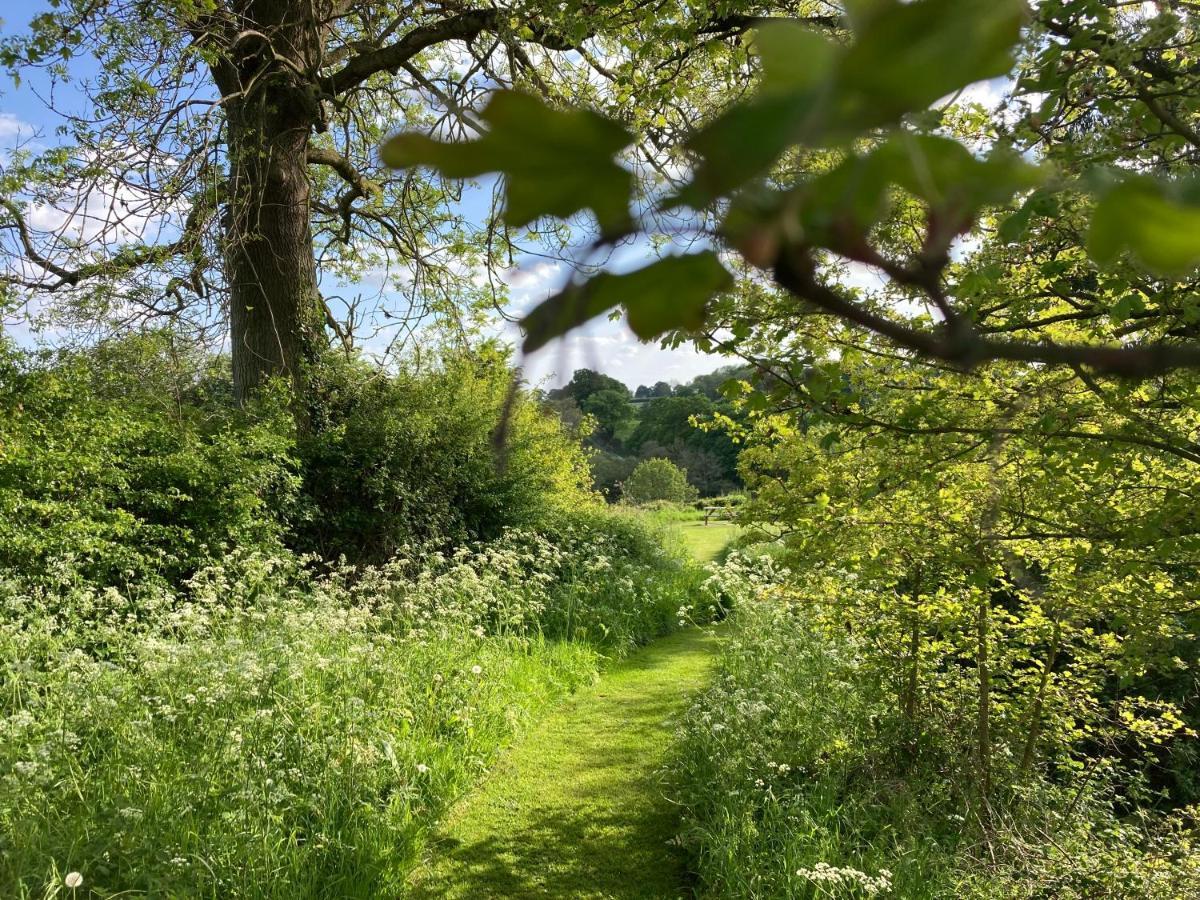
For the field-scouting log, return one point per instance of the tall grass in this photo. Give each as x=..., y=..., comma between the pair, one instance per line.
x=796, y=783
x=269, y=733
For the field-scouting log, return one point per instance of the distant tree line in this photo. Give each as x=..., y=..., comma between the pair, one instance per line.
x=659, y=421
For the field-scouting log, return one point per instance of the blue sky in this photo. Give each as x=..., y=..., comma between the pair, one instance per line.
x=604, y=345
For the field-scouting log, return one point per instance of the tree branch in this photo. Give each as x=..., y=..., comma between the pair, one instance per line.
x=462, y=27
x=963, y=346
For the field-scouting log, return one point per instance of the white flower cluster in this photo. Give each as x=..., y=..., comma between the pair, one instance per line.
x=848, y=880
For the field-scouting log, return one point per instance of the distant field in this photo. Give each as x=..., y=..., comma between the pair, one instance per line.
x=705, y=541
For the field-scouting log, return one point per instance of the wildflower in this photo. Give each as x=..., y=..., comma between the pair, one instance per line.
x=73, y=880
x=422, y=768
x=476, y=670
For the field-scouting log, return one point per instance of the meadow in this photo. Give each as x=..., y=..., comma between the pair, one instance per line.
x=329, y=568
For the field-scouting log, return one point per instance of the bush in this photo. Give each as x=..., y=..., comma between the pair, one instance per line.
x=129, y=463
x=796, y=781
x=608, y=472
x=415, y=458
x=117, y=468
x=658, y=479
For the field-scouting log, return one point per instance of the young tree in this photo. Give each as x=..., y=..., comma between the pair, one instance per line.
x=658, y=479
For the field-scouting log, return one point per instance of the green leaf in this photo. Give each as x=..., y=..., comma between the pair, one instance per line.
x=838, y=208
x=743, y=143
x=906, y=56
x=1041, y=202
x=1157, y=223
x=910, y=54
x=1127, y=306
x=953, y=181
x=794, y=58
x=667, y=294
x=555, y=162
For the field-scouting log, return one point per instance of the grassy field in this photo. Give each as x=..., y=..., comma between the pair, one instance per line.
x=705, y=542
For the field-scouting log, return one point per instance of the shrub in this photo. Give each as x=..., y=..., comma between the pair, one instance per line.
x=658, y=479
x=116, y=468
x=797, y=782
x=416, y=457
x=608, y=472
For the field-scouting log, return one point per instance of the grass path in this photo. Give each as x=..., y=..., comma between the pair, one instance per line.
x=577, y=809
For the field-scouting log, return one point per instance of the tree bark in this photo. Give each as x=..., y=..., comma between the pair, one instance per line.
x=271, y=111
x=1033, y=727
x=274, y=313
x=914, y=655
x=983, y=749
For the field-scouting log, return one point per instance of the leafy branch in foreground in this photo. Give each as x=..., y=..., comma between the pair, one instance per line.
x=816, y=166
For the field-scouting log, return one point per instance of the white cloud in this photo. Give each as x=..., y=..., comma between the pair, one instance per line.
x=13, y=129
x=988, y=94
x=611, y=348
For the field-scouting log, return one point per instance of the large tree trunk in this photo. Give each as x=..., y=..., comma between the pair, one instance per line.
x=275, y=323
x=274, y=314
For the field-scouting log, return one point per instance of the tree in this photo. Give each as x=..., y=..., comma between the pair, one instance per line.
x=805, y=175
x=997, y=439
x=658, y=479
x=226, y=156
x=683, y=429
x=611, y=410
x=585, y=382
x=648, y=392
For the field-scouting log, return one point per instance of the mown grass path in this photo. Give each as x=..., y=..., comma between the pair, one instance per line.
x=577, y=808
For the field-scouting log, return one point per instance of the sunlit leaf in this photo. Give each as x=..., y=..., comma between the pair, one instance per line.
x=1157, y=224
x=910, y=54
x=670, y=293
x=555, y=162
x=905, y=56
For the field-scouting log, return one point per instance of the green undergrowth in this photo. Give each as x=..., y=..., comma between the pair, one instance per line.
x=798, y=780
x=267, y=732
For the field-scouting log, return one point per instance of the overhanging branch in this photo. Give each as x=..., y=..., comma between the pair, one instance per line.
x=965, y=347
x=462, y=27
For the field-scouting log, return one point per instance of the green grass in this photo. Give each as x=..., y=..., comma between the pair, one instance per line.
x=275, y=734
x=705, y=542
x=577, y=809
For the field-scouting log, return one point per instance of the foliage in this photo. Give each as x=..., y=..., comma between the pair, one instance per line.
x=679, y=424
x=836, y=158
x=678, y=428
x=609, y=471
x=217, y=131
x=127, y=464
x=611, y=410
x=130, y=463
x=657, y=479
x=799, y=779
x=265, y=732
x=413, y=458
